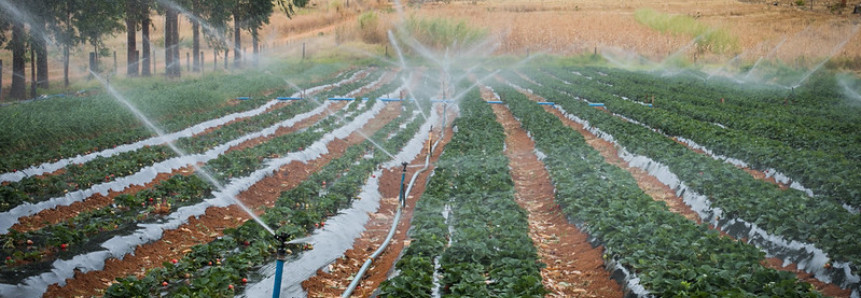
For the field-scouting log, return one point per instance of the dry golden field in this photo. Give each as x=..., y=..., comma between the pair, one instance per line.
x=802, y=36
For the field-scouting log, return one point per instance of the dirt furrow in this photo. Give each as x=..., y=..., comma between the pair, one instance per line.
x=178, y=242
x=574, y=267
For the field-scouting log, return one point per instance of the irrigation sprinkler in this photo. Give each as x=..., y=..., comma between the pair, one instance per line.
x=402, y=196
x=279, y=263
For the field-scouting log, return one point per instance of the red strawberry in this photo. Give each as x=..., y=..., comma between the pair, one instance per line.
x=230, y=287
x=174, y=261
x=244, y=280
x=210, y=263
x=322, y=224
x=164, y=283
x=29, y=242
x=10, y=258
x=246, y=243
x=14, y=170
x=64, y=246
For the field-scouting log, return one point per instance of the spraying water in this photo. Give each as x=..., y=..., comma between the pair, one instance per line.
x=116, y=95
x=358, y=130
x=831, y=55
x=770, y=53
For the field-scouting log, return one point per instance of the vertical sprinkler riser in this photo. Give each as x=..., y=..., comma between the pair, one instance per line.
x=403, y=197
x=279, y=263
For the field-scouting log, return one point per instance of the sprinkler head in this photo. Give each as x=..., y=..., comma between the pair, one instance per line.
x=405, y=166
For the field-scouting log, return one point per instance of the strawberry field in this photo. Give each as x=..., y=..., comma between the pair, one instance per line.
x=541, y=181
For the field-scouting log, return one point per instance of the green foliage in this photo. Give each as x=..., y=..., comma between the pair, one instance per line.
x=440, y=33
x=707, y=38
x=491, y=254
x=672, y=256
x=47, y=130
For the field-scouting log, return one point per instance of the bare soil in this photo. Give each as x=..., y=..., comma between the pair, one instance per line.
x=574, y=267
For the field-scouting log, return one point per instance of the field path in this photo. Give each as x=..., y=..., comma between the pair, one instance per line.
x=574, y=267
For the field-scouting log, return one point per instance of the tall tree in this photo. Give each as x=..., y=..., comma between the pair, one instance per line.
x=132, y=21
x=144, y=7
x=257, y=15
x=97, y=19
x=171, y=42
x=237, y=27
x=16, y=44
x=195, y=33
x=65, y=32
x=4, y=26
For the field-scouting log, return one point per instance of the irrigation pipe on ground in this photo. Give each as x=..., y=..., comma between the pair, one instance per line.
x=396, y=221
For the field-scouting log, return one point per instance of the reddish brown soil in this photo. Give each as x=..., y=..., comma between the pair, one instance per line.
x=574, y=267
x=176, y=243
x=660, y=192
x=334, y=283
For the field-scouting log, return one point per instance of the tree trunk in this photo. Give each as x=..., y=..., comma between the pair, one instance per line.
x=131, y=38
x=195, y=37
x=33, y=93
x=145, y=61
x=66, y=45
x=18, y=89
x=42, y=61
x=168, y=34
x=170, y=45
x=254, y=44
x=66, y=65
x=177, y=67
x=237, y=42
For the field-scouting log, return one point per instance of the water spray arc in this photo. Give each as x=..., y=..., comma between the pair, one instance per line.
x=198, y=170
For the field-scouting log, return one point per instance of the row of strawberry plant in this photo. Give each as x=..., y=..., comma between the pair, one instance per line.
x=672, y=255
x=51, y=130
x=102, y=169
x=142, y=206
x=214, y=268
x=491, y=253
x=831, y=175
x=726, y=106
x=790, y=214
x=57, y=185
x=89, y=228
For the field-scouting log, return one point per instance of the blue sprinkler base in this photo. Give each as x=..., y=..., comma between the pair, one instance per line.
x=243, y=98
x=279, y=270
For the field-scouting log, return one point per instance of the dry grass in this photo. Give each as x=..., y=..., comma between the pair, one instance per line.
x=573, y=27
x=555, y=26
